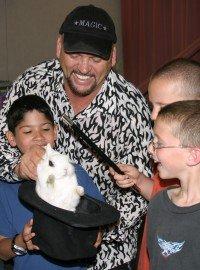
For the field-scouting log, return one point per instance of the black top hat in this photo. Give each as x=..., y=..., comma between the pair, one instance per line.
x=89, y=29
x=67, y=235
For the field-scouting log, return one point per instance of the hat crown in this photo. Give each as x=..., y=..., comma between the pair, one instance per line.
x=90, y=20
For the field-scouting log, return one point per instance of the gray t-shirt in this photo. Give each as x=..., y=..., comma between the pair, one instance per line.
x=173, y=235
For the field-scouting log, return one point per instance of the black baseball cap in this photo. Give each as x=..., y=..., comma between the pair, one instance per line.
x=89, y=29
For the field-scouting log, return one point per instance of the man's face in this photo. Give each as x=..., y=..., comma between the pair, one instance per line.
x=84, y=73
x=163, y=91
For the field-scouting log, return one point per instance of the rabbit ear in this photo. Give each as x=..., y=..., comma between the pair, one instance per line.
x=48, y=149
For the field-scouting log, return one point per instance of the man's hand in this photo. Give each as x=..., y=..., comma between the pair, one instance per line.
x=27, y=168
x=28, y=235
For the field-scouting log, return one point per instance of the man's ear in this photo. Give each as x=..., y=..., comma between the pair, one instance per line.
x=113, y=56
x=59, y=44
x=11, y=138
x=194, y=157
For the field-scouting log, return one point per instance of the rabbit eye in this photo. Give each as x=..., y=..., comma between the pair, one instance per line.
x=51, y=163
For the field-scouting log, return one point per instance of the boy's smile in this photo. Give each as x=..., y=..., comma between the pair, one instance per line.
x=167, y=152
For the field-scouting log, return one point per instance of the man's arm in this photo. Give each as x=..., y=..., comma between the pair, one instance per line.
x=10, y=156
x=136, y=132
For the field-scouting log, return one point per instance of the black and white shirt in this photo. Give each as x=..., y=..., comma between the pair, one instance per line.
x=118, y=121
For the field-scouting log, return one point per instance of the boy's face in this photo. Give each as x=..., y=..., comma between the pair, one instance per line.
x=163, y=91
x=171, y=159
x=34, y=129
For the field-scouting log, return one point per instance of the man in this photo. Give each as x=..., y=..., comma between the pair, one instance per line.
x=111, y=111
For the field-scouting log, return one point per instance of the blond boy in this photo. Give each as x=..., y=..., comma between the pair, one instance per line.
x=174, y=214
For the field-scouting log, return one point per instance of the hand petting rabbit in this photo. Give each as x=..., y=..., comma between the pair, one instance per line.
x=57, y=183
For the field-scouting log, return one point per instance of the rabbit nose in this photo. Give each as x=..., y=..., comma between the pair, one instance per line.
x=66, y=171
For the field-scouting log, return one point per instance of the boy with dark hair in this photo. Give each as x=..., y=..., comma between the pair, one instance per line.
x=173, y=215
x=31, y=123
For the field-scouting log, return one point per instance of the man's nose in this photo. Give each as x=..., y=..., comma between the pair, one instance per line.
x=84, y=65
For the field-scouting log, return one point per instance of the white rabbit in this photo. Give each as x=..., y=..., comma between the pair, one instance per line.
x=57, y=183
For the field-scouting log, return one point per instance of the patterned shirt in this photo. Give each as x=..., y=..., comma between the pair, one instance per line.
x=118, y=121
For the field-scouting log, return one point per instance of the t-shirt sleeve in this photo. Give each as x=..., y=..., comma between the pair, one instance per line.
x=6, y=228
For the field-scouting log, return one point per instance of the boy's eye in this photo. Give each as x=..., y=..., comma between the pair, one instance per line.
x=51, y=163
x=27, y=132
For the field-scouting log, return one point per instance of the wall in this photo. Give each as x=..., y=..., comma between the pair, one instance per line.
x=28, y=31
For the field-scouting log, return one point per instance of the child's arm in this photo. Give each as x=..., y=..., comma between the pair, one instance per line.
x=22, y=240
x=133, y=177
x=5, y=246
x=27, y=235
x=27, y=167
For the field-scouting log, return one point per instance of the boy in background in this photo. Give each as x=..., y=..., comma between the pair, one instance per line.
x=173, y=217
x=30, y=123
x=177, y=80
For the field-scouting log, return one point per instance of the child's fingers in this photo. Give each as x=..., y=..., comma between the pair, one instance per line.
x=28, y=236
x=30, y=246
x=111, y=171
x=126, y=182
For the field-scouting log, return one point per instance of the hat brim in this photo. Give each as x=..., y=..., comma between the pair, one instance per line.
x=89, y=213
x=84, y=43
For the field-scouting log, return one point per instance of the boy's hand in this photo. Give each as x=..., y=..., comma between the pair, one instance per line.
x=130, y=177
x=27, y=168
x=28, y=235
x=133, y=177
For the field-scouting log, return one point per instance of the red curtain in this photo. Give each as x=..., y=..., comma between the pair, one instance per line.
x=156, y=31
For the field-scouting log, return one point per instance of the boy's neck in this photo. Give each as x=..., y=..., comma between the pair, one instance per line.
x=188, y=193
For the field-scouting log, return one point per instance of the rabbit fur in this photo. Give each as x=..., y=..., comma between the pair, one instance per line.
x=57, y=183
